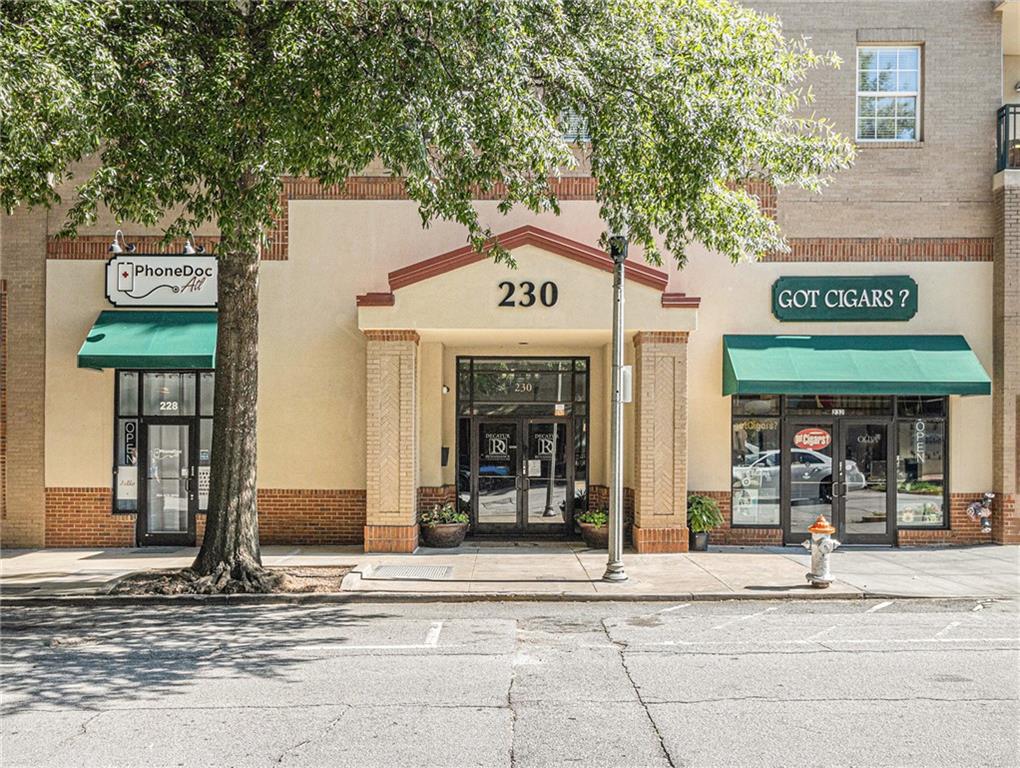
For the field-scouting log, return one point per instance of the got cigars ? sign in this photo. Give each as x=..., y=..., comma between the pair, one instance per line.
x=854, y=299
x=137, y=280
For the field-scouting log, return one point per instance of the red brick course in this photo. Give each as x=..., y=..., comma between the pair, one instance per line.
x=391, y=538
x=398, y=335
x=885, y=249
x=962, y=529
x=1005, y=520
x=659, y=540
x=430, y=495
x=82, y=517
x=311, y=516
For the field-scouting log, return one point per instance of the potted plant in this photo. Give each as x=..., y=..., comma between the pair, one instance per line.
x=443, y=526
x=702, y=516
x=594, y=528
x=580, y=505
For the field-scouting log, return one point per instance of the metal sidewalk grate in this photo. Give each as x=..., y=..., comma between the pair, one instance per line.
x=413, y=572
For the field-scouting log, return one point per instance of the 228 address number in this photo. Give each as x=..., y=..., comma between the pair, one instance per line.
x=548, y=294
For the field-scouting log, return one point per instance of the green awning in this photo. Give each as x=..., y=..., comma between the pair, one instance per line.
x=149, y=339
x=851, y=365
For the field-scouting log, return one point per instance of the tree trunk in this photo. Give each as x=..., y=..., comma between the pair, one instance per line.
x=230, y=559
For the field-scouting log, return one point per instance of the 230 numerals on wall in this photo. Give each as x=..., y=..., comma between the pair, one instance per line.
x=548, y=294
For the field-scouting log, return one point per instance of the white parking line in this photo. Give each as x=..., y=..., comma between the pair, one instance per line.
x=818, y=634
x=879, y=607
x=949, y=627
x=745, y=617
x=432, y=636
x=673, y=608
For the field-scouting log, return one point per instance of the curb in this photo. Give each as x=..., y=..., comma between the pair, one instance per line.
x=341, y=598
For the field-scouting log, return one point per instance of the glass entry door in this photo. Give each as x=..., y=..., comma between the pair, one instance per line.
x=167, y=484
x=866, y=498
x=522, y=475
x=545, y=475
x=837, y=467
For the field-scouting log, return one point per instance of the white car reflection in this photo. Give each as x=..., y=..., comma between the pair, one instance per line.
x=810, y=472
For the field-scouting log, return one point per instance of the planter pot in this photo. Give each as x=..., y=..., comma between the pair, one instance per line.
x=595, y=537
x=444, y=535
x=697, y=542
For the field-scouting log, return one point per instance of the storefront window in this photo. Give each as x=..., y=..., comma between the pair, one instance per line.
x=839, y=405
x=920, y=472
x=168, y=394
x=143, y=401
x=756, y=471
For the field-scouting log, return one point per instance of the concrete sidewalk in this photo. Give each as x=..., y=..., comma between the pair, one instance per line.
x=562, y=570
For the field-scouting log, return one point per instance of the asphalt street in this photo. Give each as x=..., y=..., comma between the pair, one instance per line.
x=742, y=683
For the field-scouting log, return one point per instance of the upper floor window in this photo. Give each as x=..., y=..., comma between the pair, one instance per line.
x=888, y=85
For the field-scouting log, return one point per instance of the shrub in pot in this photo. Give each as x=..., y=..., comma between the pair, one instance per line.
x=594, y=528
x=702, y=516
x=580, y=505
x=443, y=526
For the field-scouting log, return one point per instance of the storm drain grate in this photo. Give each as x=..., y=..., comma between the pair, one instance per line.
x=417, y=572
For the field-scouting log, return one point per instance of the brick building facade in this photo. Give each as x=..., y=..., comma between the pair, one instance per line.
x=390, y=356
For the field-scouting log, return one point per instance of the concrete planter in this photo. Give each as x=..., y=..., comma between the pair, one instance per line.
x=444, y=535
x=595, y=536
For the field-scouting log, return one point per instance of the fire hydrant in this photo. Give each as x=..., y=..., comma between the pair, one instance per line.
x=821, y=545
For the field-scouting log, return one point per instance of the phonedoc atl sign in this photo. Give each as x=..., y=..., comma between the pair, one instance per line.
x=139, y=280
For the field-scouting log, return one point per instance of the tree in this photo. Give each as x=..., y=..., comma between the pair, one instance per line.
x=210, y=104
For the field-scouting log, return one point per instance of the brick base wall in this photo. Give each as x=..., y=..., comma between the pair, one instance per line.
x=81, y=517
x=311, y=516
x=659, y=540
x=391, y=538
x=748, y=537
x=962, y=530
x=1006, y=520
x=430, y=495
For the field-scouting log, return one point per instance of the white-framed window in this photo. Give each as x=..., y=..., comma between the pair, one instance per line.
x=888, y=93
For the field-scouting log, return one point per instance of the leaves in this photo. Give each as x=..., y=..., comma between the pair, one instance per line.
x=200, y=108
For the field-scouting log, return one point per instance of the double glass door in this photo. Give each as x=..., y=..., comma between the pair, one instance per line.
x=838, y=467
x=522, y=475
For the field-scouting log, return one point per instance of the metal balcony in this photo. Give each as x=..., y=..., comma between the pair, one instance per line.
x=1007, y=137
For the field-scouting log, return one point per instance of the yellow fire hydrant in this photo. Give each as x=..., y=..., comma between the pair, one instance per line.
x=821, y=545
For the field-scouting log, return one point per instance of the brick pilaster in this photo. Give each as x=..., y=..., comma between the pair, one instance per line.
x=391, y=441
x=660, y=492
x=1006, y=357
x=23, y=270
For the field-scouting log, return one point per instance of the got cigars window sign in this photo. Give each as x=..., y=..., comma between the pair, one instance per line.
x=161, y=280
x=853, y=299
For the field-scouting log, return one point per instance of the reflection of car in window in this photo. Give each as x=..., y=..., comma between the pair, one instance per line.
x=810, y=472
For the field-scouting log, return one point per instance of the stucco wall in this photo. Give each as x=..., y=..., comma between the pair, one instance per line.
x=1010, y=79
x=953, y=299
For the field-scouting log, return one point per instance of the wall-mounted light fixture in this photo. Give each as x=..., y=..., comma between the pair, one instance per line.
x=119, y=245
x=190, y=249
x=446, y=390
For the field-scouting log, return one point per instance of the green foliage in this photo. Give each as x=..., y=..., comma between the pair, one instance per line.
x=441, y=514
x=702, y=513
x=200, y=108
x=52, y=68
x=596, y=517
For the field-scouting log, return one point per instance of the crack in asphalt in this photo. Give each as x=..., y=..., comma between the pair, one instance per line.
x=510, y=701
x=781, y=700
x=328, y=727
x=621, y=649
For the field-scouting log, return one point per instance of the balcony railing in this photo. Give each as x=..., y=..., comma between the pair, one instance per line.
x=1007, y=138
